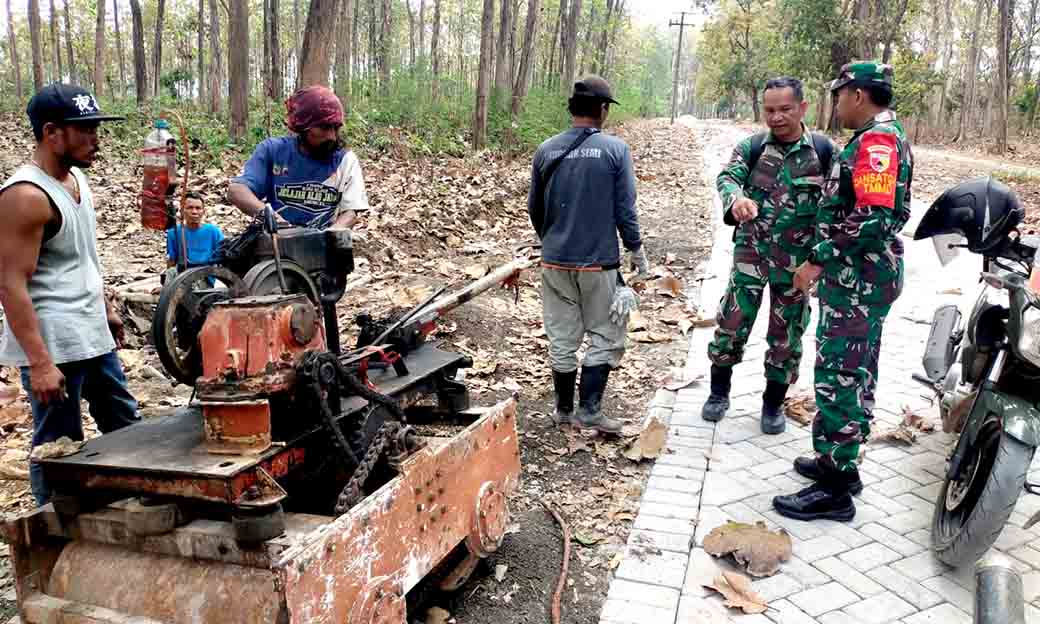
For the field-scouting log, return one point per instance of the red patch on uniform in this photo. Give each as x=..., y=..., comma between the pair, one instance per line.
x=877, y=170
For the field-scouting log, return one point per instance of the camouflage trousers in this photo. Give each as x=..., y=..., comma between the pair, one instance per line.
x=788, y=316
x=848, y=345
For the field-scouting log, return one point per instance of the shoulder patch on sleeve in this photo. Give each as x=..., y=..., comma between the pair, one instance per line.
x=877, y=170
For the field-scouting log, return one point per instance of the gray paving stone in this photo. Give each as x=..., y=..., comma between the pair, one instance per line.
x=894, y=486
x=1032, y=614
x=885, y=454
x=929, y=492
x=695, y=609
x=801, y=530
x=626, y=612
x=771, y=441
x=945, y=613
x=905, y=522
x=664, y=398
x=697, y=460
x=731, y=430
x=885, y=503
x=754, y=454
x=874, y=468
x=741, y=512
x=907, y=589
x=870, y=556
x=1031, y=586
x=669, y=497
x=641, y=593
x=820, y=600
x=1012, y=537
x=804, y=573
x=908, y=468
x=710, y=518
x=666, y=568
x=853, y=538
x=786, y=483
x=1028, y=555
x=855, y=580
x=865, y=514
x=723, y=488
x=777, y=586
x=677, y=472
x=650, y=540
x=771, y=469
x=920, y=567
x=951, y=592
x=916, y=503
x=668, y=510
x=784, y=612
x=881, y=609
x=820, y=548
x=789, y=452
x=683, y=432
x=837, y=617
x=671, y=484
x=679, y=526
x=893, y=540
x=701, y=569
x=760, y=502
x=676, y=445
x=922, y=537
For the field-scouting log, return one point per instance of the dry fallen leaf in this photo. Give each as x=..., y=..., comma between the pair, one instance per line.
x=649, y=337
x=669, y=286
x=14, y=464
x=475, y=271
x=636, y=321
x=752, y=545
x=951, y=291
x=59, y=448
x=915, y=421
x=649, y=443
x=898, y=434
x=736, y=589
x=801, y=408
x=437, y=615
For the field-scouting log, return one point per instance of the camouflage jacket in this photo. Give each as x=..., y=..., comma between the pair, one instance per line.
x=786, y=184
x=865, y=205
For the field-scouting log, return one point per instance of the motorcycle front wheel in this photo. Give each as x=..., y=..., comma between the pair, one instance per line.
x=973, y=508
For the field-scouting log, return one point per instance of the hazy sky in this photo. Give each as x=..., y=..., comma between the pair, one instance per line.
x=660, y=11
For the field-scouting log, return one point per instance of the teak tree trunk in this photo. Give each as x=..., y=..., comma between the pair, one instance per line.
x=34, y=40
x=315, y=55
x=487, y=33
x=384, y=47
x=277, y=75
x=344, y=53
x=238, y=67
x=970, y=72
x=160, y=13
x=435, y=56
x=140, y=66
x=122, y=57
x=1001, y=91
x=68, y=42
x=99, y=50
x=201, y=51
x=59, y=74
x=523, y=77
x=216, y=72
x=503, y=68
x=12, y=49
x=570, y=50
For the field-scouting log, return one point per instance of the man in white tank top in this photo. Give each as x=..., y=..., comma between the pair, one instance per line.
x=60, y=330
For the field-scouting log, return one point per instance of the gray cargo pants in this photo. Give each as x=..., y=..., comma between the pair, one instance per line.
x=575, y=303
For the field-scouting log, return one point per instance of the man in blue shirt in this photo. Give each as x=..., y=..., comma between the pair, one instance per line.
x=308, y=178
x=201, y=239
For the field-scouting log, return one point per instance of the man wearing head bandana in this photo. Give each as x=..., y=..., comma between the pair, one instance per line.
x=309, y=178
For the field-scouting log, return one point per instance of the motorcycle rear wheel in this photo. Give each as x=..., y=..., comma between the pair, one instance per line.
x=972, y=510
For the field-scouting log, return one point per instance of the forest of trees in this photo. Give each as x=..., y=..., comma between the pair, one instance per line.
x=468, y=70
x=965, y=69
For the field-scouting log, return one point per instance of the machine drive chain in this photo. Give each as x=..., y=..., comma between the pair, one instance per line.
x=353, y=491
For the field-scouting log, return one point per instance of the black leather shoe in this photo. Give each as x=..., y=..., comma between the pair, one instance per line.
x=810, y=469
x=715, y=408
x=816, y=502
x=774, y=420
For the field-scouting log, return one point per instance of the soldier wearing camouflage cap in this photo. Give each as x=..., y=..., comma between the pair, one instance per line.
x=858, y=259
x=770, y=190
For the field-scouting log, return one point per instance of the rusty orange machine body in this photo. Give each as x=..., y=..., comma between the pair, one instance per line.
x=226, y=511
x=251, y=348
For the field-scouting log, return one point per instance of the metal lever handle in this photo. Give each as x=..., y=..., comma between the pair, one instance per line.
x=271, y=225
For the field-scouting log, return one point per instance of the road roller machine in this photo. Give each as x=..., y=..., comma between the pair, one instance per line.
x=302, y=483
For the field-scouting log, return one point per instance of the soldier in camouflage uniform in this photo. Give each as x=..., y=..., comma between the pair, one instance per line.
x=859, y=256
x=770, y=189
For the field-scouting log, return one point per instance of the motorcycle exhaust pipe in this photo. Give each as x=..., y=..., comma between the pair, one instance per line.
x=998, y=591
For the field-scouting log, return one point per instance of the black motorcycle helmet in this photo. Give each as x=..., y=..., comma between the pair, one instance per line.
x=982, y=210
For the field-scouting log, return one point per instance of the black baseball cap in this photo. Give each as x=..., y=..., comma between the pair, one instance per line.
x=594, y=87
x=65, y=103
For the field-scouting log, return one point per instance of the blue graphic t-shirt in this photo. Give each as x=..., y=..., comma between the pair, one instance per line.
x=201, y=243
x=301, y=189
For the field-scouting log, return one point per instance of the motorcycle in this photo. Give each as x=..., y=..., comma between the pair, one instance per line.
x=984, y=372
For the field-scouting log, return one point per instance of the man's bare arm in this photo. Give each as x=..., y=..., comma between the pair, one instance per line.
x=244, y=199
x=344, y=221
x=26, y=211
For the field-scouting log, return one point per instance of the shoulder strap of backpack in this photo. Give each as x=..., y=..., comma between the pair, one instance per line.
x=758, y=145
x=824, y=151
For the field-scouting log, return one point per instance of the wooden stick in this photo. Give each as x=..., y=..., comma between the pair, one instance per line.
x=566, y=560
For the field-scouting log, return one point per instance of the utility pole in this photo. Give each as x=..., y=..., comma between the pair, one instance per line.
x=678, y=57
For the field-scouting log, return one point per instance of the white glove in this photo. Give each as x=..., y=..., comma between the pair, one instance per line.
x=639, y=263
x=625, y=302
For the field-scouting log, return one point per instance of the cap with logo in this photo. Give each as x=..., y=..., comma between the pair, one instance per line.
x=594, y=87
x=863, y=73
x=65, y=103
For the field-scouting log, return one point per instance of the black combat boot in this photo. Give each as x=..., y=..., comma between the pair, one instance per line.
x=563, y=384
x=809, y=468
x=718, y=401
x=829, y=498
x=774, y=420
x=590, y=397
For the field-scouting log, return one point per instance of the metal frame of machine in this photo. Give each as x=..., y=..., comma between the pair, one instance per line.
x=226, y=511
